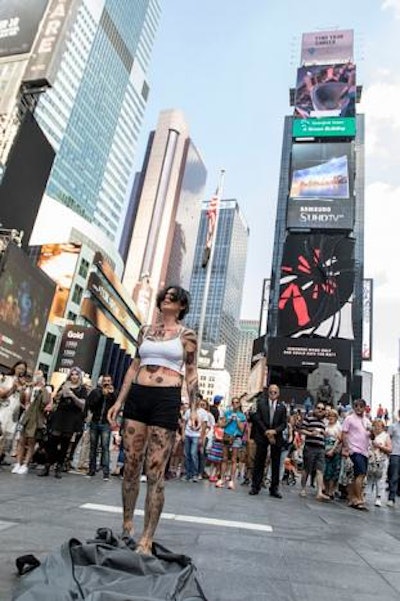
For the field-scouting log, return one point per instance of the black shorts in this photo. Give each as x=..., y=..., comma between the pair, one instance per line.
x=314, y=459
x=360, y=464
x=154, y=405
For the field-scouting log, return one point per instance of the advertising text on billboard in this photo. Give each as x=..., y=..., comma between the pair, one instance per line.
x=50, y=43
x=309, y=352
x=321, y=186
x=320, y=47
x=78, y=348
x=19, y=24
x=324, y=127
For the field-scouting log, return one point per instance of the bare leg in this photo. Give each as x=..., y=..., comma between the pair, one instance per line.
x=160, y=443
x=135, y=437
x=21, y=449
x=30, y=448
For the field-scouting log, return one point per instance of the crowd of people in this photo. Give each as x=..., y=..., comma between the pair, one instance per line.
x=164, y=429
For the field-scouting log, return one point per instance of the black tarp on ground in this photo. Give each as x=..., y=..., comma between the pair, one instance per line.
x=107, y=569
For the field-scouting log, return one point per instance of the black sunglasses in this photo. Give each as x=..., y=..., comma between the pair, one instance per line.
x=173, y=296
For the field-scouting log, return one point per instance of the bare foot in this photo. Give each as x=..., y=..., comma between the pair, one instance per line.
x=127, y=531
x=144, y=547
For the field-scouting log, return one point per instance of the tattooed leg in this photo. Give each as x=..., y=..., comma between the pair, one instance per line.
x=135, y=436
x=160, y=443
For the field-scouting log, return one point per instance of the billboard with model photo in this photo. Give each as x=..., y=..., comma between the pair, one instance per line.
x=26, y=294
x=19, y=24
x=59, y=261
x=321, y=186
x=326, y=91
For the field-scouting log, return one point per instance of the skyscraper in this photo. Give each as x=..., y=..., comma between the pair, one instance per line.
x=167, y=212
x=248, y=332
x=227, y=278
x=315, y=310
x=94, y=111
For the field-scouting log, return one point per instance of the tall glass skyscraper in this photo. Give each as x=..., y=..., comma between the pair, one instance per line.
x=94, y=111
x=227, y=278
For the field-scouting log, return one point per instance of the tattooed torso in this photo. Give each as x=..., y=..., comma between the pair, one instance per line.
x=156, y=375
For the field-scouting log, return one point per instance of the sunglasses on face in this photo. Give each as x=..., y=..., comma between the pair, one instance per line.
x=173, y=296
x=321, y=408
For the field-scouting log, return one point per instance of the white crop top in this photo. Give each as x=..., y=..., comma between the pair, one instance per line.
x=165, y=353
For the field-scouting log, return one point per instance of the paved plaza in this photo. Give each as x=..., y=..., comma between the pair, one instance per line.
x=252, y=548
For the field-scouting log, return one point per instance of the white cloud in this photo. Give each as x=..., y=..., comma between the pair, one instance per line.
x=380, y=104
x=392, y=4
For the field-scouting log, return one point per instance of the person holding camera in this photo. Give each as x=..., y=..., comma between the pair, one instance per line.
x=99, y=402
x=66, y=419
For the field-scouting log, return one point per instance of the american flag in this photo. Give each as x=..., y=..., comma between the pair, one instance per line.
x=211, y=220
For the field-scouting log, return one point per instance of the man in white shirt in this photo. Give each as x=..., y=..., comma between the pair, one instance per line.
x=194, y=438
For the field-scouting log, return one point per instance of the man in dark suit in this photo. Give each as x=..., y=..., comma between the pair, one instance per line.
x=269, y=422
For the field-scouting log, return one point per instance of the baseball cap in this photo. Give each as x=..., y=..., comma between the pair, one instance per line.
x=217, y=399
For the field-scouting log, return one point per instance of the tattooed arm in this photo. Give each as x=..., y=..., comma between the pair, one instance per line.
x=126, y=384
x=189, y=340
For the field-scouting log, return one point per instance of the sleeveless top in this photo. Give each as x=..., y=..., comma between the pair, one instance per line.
x=164, y=353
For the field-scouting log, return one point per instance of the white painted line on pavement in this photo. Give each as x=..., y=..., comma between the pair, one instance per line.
x=194, y=519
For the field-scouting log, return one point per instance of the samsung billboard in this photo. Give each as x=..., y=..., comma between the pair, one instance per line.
x=321, y=186
x=19, y=24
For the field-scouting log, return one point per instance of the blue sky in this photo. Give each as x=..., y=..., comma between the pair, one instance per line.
x=228, y=65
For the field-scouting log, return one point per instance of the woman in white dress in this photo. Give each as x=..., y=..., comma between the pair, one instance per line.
x=13, y=389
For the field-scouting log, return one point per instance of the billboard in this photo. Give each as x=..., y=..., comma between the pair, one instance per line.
x=264, y=307
x=59, y=262
x=324, y=127
x=321, y=186
x=327, y=46
x=309, y=352
x=19, y=24
x=50, y=43
x=114, y=305
x=26, y=294
x=326, y=91
x=316, y=286
x=20, y=195
x=78, y=348
x=367, y=320
x=211, y=356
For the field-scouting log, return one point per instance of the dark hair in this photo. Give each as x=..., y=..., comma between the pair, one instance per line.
x=12, y=370
x=182, y=295
x=360, y=402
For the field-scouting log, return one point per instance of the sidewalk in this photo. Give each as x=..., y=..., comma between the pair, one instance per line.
x=253, y=548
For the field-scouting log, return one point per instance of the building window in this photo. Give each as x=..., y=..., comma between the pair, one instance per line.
x=71, y=316
x=49, y=343
x=84, y=268
x=77, y=296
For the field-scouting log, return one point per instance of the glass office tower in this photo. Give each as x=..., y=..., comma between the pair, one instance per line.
x=227, y=278
x=94, y=111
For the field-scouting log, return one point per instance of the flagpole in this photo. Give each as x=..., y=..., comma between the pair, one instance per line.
x=200, y=332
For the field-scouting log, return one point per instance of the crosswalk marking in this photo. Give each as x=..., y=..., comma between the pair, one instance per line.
x=194, y=519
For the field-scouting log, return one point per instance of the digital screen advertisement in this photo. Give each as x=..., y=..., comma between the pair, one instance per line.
x=59, y=262
x=26, y=294
x=326, y=91
x=316, y=286
x=321, y=186
x=19, y=24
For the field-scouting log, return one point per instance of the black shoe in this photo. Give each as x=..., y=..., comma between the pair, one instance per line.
x=57, y=472
x=45, y=471
x=275, y=493
x=253, y=491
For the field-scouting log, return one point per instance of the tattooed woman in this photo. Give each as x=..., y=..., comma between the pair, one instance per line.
x=151, y=393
